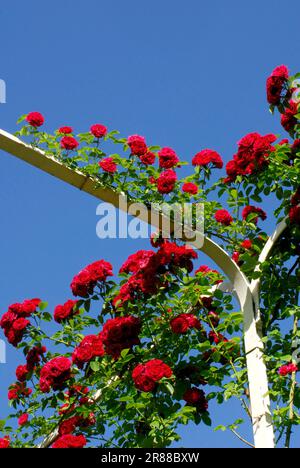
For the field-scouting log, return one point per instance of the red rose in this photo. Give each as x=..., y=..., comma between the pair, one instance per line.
x=35, y=119
x=191, y=188
x=146, y=375
x=294, y=215
x=137, y=261
x=287, y=369
x=68, y=426
x=108, y=165
x=137, y=145
x=275, y=84
x=167, y=158
x=120, y=333
x=206, y=157
x=98, y=130
x=90, y=347
x=23, y=419
x=70, y=441
x=183, y=322
x=65, y=130
x=54, y=374
x=4, y=442
x=253, y=210
x=223, y=217
x=156, y=240
x=247, y=244
x=288, y=119
x=196, y=397
x=69, y=143
x=20, y=324
x=21, y=373
x=148, y=158
x=65, y=311
x=166, y=181
x=34, y=356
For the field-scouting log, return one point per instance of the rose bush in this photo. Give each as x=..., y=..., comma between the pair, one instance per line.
x=134, y=357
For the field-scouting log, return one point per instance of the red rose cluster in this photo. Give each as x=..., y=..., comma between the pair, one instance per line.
x=90, y=347
x=294, y=213
x=252, y=155
x=287, y=369
x=276, y=84
x=65, y=130
x=167, y=158
x=120, y=333
x=137, y=145
x=84, y=283
x=183, y=322
x=208, y=157
x=18, y=391
x=253, y=210
x=54, y=374
x=108, y=165
x=14, y=322
x=145, y=376
x=147, y=268
x=65, y=311
x=195, y=397
x=70, y=441
x=33, y=356
x=68, y=426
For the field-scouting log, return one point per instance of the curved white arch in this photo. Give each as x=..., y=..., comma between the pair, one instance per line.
x=246, y=292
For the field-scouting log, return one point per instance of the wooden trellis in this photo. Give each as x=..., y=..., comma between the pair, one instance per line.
x=246, y=292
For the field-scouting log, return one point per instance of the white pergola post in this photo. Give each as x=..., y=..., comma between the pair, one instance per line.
x=246, y=293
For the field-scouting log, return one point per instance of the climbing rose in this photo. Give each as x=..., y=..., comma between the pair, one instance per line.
x=294, y=215
x=206, y=157
x=70, y=441
x=166, y=181
x=137, y=261
x=148, y=158
x=195, y=397
x=251, y=157
x=120, y=333
x=183, y=322
x=13, y=322
x=235, y=257
x=65, y=311
x=287, y=369
x=275, y=84
x=191, y=188
x=108, y=165
x=23, y=419
x=21, y=373
x=167, y=158
x=253, y=210
x=35, y=119
x=4, y=442
x=223, y=217
x=98, y=130
x=137, y=145
x=83, y=284
x=54, y=374
x=65, y=130
x=146, y=375
x=69, y=143
x=90, y=347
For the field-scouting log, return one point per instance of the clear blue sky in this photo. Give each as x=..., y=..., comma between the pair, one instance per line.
x=187, y=75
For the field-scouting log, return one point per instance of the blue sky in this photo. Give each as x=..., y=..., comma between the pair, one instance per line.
x=187, y=75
